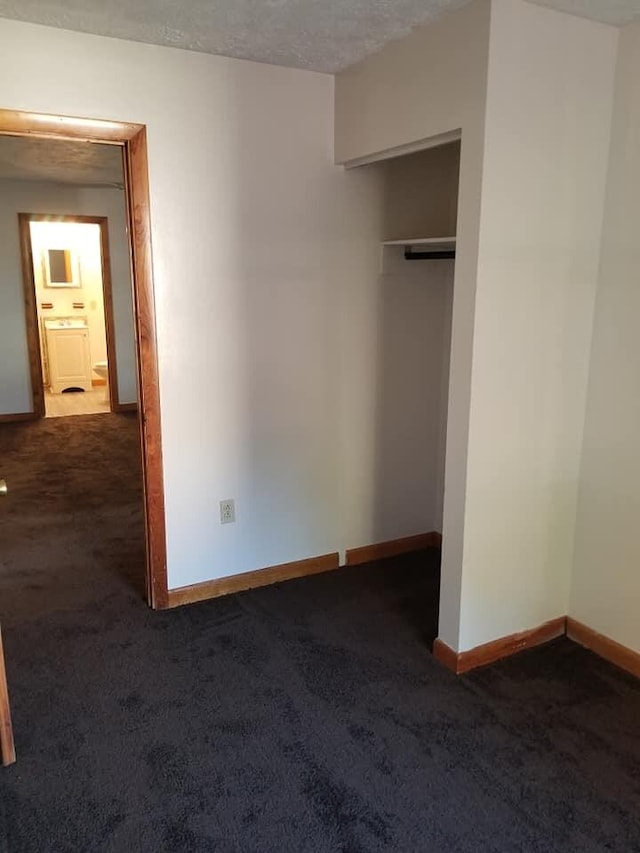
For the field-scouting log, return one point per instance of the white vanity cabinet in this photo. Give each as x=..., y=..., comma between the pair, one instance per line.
x=68, y=355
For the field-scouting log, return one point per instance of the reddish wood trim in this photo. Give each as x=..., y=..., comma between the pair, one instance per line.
x=252, y=580
x=109, y=322
x=132, y=138
x=393, y=547
x=31, y=316
x=7, y=748
x=443, y=653
x=487, y=653
x=19, y=416
x=137, y=191
x=18, y=123
x=604, y=646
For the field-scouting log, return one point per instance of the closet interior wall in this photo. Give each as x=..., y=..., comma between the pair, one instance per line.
x=415, y=297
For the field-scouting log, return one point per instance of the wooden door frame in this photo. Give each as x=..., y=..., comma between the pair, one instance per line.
x=7, y=746
x=34, y=332
x=132, y=139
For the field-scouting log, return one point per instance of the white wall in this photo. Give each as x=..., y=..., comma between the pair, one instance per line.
x=394, y=321
x=605, y=592
x=420, y=199
x=535, y=132
x=431, y=83
x=414, y=342
x=547, y=135
x=261, y=247
x=265, y=253
x=421, y=193
x=83, y=239
x=40, y=197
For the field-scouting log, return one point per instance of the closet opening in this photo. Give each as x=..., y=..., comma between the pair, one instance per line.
x=417, y=231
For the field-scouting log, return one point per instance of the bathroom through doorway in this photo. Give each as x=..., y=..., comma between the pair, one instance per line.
x=68, y=288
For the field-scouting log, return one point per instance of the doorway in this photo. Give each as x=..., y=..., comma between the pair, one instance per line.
x=414, y=292
x=130, y=141
x=67, y=275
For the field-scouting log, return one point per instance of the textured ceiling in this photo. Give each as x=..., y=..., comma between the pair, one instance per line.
x=26, y=159
x=323, y=35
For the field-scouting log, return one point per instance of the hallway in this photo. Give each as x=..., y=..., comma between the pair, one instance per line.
x=75, y=495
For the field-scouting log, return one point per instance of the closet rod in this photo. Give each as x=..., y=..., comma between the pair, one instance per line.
x=410, y=255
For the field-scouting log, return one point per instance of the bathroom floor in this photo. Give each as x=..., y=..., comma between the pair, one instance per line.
x=75, y=403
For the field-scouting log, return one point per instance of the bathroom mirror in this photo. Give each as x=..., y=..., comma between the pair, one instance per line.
x=60, y=268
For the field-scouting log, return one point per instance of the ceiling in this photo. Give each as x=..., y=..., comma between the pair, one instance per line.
x=83, y=163
x=323, y=35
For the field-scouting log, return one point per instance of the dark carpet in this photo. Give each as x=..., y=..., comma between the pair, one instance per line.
x=308, y=717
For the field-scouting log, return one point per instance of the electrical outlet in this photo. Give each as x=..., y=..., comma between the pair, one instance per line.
x=227, y=511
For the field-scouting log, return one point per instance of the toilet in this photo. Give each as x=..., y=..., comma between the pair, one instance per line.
x=102, y=370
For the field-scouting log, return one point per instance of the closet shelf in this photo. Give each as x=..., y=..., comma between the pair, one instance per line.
x=431, y=248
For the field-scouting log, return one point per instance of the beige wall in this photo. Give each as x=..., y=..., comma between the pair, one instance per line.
x=395, y=393
x=395, y=379
x=547, y=136
x=421, y=193
x=429, y=84
x=535, y=133
x=268, y=326
x=605, y=591
x=421, y=200
x=263, y=253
